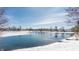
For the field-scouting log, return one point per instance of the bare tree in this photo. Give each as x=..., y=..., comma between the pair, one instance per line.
x=73, y=17
x=3, y=18
x=62, y=29
x=56, y=28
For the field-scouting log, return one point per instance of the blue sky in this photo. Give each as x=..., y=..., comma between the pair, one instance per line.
x=37, y=17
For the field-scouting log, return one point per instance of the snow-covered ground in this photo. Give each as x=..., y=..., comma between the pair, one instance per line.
x=13, y=33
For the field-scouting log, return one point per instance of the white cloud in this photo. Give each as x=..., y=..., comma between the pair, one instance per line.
x=51, y=19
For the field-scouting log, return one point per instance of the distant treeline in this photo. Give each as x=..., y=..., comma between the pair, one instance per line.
x=31, y=29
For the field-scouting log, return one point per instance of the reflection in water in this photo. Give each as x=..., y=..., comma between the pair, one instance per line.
x=62, y=34
x=56, y=35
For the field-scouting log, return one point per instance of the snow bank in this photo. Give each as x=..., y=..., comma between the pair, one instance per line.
x=13, y=33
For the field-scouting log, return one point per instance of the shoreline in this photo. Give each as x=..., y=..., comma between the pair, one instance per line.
x=13, y=33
